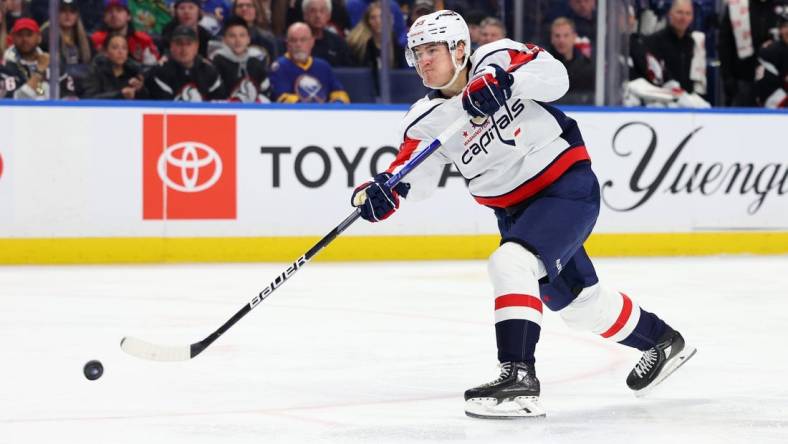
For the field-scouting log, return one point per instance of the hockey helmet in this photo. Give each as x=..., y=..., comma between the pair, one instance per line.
x=441, y=26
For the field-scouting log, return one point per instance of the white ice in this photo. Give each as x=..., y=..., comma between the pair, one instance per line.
x=379, y=353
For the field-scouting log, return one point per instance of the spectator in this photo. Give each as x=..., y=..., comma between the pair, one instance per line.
x=214, y=14
x=3, y=28
x=583, y=15
x=186, y=75
x=14, y=10
x=299, y=77
x=772, y=75
x=113, y=75
x=262, y=37
x=679, y=51
x=579, y=67
x=242, y=67
x=74, y=42
x=26, y=60
x=187, y=13
x=492, y=30
x=473, y=19
x=117, y=20
x=366, y=37
x=356, y=8
x=744, y=30
x=338, y=23
x=10, y=80
x=423, y=7
x=150, y=16
x=328, y=45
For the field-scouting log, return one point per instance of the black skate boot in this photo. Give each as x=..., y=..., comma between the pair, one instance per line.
x=658, y=362
x=515, y=394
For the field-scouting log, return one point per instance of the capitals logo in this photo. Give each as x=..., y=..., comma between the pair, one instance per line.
x=189, y=167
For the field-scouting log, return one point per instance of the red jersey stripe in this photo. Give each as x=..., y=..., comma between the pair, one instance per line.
x=540, y=181
x=405, y=151
x=518, y=300
x=520, y=58
x=623, y=317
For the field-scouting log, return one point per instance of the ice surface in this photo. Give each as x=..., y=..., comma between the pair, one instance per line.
x=379, y=353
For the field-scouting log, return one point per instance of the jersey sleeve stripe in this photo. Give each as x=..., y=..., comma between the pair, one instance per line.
x=547, y=176
x=405, y=151
x=521, y=58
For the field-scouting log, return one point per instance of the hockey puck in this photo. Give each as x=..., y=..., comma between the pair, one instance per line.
x=93, y=370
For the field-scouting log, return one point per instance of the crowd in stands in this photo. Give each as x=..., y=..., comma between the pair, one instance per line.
x=290, y=50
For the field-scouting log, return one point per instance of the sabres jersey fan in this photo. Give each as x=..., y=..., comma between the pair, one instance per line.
x=299, y=77
x=186, y=75
x=242, y=67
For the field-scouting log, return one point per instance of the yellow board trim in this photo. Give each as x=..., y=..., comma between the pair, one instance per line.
x=354, y=248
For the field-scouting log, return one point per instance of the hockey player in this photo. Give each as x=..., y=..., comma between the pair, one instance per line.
x=527, y=161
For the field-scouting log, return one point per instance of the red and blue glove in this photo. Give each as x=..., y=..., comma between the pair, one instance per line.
x=487, y=91
x=376, y=200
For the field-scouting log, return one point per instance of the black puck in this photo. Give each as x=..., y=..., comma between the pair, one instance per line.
x=93, y=370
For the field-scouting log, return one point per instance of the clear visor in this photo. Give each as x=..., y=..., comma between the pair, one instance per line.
x=431, y=49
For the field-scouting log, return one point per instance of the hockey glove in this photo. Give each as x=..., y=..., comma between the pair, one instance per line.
x=376, y=200
x=487, y=91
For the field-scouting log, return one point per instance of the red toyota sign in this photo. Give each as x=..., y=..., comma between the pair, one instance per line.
x=189, y=166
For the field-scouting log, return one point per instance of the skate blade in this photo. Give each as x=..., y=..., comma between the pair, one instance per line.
x=515, y=408
x=670, y=367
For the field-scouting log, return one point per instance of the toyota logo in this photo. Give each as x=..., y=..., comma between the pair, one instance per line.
x=1, y=165
x=190, y=158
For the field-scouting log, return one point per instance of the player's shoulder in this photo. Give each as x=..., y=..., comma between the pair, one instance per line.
x=500, y=52
x=430, y=115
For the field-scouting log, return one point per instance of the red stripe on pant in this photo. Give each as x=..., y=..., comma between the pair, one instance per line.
x=518, y=300
x=623, y=317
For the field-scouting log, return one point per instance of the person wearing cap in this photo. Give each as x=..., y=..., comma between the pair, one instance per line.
x=771, y=77
x=187, y=13
x=28, y=60
x=75, y=45
x=186, y=75
x=117, y=20
x=299, y=77
x=241, y=66
x=113, y=75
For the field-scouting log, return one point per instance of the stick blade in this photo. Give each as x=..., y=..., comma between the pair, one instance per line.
x=152, y=352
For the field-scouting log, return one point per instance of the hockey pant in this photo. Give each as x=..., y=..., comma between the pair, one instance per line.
x=541, y=261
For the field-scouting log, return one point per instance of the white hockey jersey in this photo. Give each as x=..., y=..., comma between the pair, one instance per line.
x=513, y=155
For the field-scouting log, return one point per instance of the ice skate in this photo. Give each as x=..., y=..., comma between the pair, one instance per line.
x=658, y=362
x=514, y=394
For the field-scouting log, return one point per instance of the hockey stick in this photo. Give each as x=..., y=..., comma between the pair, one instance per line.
x=146, y=350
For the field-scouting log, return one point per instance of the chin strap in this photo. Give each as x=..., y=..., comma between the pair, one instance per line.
x=457, y=71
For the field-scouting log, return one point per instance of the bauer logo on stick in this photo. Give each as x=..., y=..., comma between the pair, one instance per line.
x=189, y=168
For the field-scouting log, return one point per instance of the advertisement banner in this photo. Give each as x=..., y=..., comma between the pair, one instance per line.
x=189, y=166
x=274, y=171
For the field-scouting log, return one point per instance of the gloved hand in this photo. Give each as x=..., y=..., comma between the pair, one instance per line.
x=376, y=200
x=487, y=91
